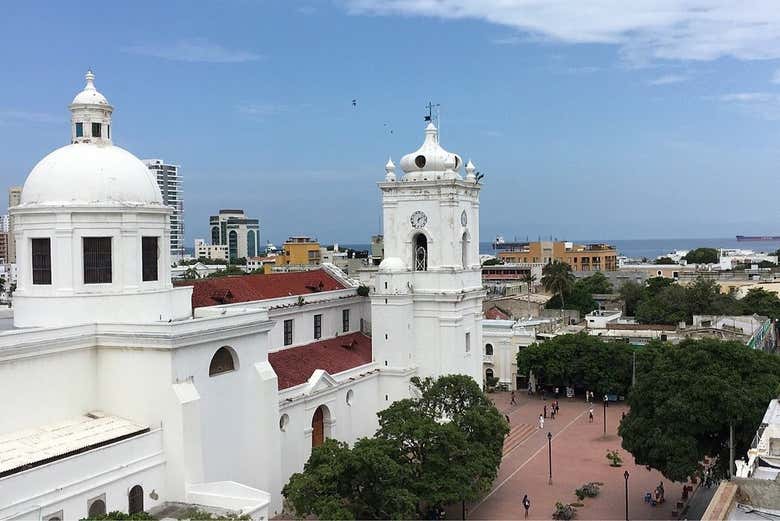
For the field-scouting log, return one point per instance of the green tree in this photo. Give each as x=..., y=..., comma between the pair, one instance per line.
x=451, y=437
x=492, y=262
x=632, y=293
x=558, y=279
x=365, y=482
x=441, y=447
x=229, y=270
x=702, y=256
x=581, y=361
x=687, y=396
x=597, y=283
x=760, y=302
x=668, y=306
x=664, y=260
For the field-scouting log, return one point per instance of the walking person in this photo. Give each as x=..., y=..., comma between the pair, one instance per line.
x=512, y=401
x=506, y=417
x=545, y=410
x=526, y=504
x=590, y=415
x=541, y=421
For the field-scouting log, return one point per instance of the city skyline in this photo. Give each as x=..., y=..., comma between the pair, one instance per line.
x=628, y=127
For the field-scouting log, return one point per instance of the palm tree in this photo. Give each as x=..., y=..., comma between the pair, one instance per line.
x=529, y=278
x=558, y=278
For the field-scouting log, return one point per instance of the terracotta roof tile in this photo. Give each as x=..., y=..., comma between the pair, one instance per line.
x=248, y=288
x=295, y=365
x=496, y=313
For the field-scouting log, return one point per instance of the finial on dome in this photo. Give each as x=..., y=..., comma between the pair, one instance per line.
x=390, y=170
x=470, y=171
x=90, y=77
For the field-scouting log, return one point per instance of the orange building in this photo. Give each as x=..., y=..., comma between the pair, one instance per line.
x=581, y=257
x=298, y=252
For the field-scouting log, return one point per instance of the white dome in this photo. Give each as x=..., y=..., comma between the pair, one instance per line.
x=90, y=95
x=392, y=264
x=431, y=161
x=86, y=173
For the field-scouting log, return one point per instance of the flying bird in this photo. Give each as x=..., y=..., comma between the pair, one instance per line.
x=479, y=176
x=354, y=103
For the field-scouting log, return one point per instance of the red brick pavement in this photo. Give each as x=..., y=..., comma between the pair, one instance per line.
x=578, y=456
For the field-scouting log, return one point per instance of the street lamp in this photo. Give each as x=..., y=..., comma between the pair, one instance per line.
x=549, y=455
x=605, y=415
x=625, y=475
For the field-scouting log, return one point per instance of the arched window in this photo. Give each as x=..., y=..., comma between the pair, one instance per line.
x=223, y=361
x=489, y=349
x=350, y=396
x=97, y=507
x=232, y=244
x=215, y=235
x=464, y=250
x=251, y=249
x=283, y=422
x=420, y=245
x=135, y=500
x=488, y=373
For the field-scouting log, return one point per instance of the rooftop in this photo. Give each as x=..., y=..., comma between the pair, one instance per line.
x=249, y=288
x=29, y=448
x=295, y=365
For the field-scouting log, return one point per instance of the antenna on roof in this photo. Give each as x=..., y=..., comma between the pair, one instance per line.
x=434, y=115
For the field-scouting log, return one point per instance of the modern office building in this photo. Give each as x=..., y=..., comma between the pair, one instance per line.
x=233, y=229
x=581, y=257
x=14, y=196
x=210, y=251
x=169, y=180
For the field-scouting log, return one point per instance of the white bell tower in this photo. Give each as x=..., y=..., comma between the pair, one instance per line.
x=426, y=306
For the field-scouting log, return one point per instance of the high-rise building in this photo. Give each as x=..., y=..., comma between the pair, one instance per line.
x=234, y=229
x=14, y=197
x=169, y=180
x=3, y=247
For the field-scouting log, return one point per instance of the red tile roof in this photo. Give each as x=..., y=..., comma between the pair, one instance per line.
x=248, y=288
x=295, y=365
x=496, y=313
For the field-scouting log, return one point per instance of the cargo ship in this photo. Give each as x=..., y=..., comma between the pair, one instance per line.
x=758, y=238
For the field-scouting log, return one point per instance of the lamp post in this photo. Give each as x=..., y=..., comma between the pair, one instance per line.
x=625, y=475
x=605, y=415
x=549, y=455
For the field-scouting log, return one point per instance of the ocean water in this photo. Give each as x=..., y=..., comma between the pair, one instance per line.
x=650, y=248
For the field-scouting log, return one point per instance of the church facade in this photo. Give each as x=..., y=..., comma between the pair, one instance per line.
x=125, y=392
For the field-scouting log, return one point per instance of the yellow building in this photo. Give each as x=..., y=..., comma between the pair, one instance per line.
x=297, y=252
x=581, y=257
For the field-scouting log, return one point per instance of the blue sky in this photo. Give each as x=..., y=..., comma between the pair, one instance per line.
x=590, y=120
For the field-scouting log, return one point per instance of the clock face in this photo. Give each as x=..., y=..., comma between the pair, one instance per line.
x=418, y=219
x=464, y=219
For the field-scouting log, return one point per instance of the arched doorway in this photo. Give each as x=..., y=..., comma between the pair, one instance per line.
x=464, y=250
x=488, y=373
x=420, y=246
x=320, y=424
x=96, y=508
x=135, y=500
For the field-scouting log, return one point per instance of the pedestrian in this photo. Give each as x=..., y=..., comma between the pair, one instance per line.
x=526, y=504
x=506, y=417
x=552, y=413
x=590, y=415
x=512, y=401
x=556, y=392
x=541, y=422
x=606, y=400
x=545, y=410
x=587, y=396
x=623, y=416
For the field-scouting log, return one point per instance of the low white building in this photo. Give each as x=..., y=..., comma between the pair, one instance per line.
x=210, y=251
x=130, y=392
x=502, y=341
x=599, y=318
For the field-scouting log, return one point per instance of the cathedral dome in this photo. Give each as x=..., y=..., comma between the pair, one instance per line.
x=89, y=173
x=431, y=161
x=90, y=95
x=392, y=264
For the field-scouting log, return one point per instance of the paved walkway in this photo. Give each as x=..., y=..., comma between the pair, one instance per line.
x=578, y=456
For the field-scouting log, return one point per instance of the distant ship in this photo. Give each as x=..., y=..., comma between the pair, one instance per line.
x=758, y=237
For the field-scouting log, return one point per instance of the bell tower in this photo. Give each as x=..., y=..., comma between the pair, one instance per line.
x=426, y=305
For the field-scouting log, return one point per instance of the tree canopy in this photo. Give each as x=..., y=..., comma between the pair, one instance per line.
x=582, y=361
x=557, y=278
x=580, y=295
x=687, y=395
x=440, y=447
x=702, y=256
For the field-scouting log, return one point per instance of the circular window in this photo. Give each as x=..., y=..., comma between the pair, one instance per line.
x=457, y=162
x=350, y=396
x=283, y=421
x=419, y=161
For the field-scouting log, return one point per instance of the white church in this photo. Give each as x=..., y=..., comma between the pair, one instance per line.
x=121, y=391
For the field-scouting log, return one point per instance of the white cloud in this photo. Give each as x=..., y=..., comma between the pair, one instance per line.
x=776, y=76
x=764, y=105
x=12, y=116
x=644, y=30
x=192, y=51
x=668, y=79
